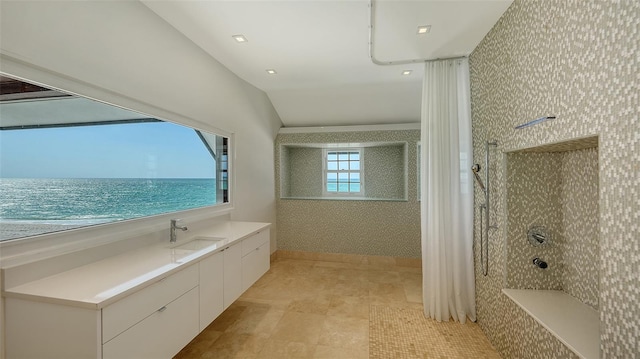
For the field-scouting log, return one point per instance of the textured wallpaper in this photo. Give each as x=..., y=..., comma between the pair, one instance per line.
x=384, y=172
x=383, y=168
x=384, y=228
x=304, y=172
x=577, y=60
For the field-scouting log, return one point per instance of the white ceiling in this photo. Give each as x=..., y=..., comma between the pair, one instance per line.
x=320, y=50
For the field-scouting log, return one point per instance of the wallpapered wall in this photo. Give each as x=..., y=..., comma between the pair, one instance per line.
x=385, y=228
x=557, y=190
x=577, y=60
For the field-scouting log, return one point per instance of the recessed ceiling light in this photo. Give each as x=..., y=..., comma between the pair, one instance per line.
x=240, y=38
x=424, y=29
x=407, y=72
x=271, y=72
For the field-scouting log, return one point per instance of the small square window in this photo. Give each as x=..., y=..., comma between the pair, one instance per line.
x=343, y=172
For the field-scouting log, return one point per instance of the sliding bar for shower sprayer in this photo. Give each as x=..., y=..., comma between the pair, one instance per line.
x=486, y=176
x=484, y=227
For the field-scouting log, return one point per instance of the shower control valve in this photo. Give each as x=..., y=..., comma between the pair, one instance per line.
x=540, y=263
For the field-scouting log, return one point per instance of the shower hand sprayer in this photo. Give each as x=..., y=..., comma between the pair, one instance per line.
x=484, y=227
x=476, y=169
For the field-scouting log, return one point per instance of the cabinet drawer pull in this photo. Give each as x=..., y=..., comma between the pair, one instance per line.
x=162, y=309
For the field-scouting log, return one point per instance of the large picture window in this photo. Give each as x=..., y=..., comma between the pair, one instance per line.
x=68, y=162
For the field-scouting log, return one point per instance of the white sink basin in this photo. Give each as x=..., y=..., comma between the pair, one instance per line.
x=199, y=243
x=177, y=255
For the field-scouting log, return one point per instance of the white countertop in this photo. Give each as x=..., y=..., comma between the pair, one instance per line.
x=101, y=283
x=574, y=323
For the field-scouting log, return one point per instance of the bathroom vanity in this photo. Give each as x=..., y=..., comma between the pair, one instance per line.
x=144, y=303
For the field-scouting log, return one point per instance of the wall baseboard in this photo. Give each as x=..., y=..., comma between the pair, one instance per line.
x=381, y=261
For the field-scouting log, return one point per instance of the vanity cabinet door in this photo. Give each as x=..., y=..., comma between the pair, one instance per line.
x=211, y=288
x=232, y=274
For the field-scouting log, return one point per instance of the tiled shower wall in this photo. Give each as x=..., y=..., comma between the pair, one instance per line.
x=580, y=230
x=534, y=197
x=559, y=191
x=577, y=60
x=377, y=228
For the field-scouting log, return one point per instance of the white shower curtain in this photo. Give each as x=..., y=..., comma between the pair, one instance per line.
x=448, y=287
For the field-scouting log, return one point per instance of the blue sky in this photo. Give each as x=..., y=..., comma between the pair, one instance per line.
x=142, y=150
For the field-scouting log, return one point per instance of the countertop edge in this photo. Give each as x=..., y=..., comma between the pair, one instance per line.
x=97, y=305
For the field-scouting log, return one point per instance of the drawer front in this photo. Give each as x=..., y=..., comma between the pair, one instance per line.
x=130, y=310
x=249, y=244
x=161, y=335
x=254, y=265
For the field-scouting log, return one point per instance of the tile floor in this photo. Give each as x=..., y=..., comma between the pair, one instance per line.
x=318, y=309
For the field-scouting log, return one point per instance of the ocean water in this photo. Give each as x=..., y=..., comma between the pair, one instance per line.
x=97, y=200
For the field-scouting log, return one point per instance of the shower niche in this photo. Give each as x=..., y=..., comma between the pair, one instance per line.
x=553, y=238
x=552, y=204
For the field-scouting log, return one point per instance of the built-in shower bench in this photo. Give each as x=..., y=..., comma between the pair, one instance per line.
x=574, y=323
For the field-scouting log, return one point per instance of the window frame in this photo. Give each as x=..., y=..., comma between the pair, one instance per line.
x=68, y=239
x=325, y=171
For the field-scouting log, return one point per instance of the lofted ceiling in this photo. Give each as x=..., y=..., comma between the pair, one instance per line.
x=320, y=50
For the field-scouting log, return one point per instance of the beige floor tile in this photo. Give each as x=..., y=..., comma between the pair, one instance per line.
x=351, y=288
x=338, y=265
x=387, y=293
x=299, y=327
x=354, y=307
x=323, y=309
x=345, y=332
x=331, y=352
x=314, y=304
x=233, y=345
x=260, y=320
x=227, y=318
x=277, y=349
x=199, y=345
x=412, y=284
x=353, y=275
x=413, y=294
x=385, y=277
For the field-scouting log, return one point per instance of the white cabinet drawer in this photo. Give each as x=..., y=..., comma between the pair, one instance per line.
x=249, y=244
x=161, y=335
x=254, y=265
x=130, y=310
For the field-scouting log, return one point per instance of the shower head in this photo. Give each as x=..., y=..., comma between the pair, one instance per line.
x=476, y=168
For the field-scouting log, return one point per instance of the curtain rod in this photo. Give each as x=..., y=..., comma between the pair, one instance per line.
x=395, y=62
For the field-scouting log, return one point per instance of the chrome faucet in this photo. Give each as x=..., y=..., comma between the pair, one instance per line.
x=174, y=226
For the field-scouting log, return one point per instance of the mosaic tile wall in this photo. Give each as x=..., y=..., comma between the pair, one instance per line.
x=302, y=171
x=381, y=228
x=580, y=225
x=560, y=192
x=534, y=185
x=577, y=60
